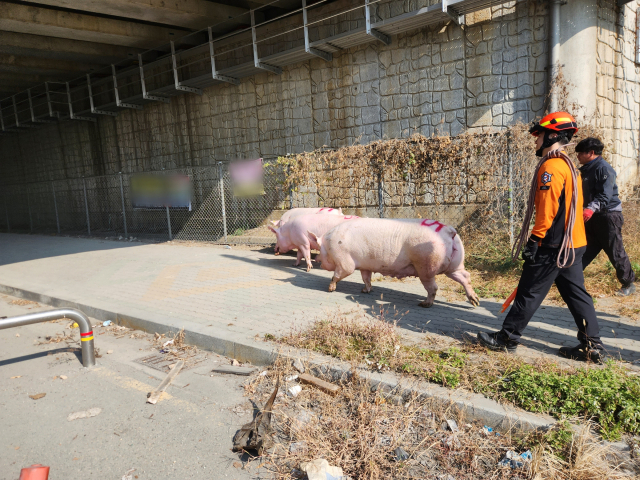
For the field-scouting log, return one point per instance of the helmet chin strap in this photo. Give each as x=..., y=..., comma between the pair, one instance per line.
x=547, y=142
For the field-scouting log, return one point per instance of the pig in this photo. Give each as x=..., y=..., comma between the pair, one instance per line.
x=293, y=234
x=398, y=248
x=295, y=212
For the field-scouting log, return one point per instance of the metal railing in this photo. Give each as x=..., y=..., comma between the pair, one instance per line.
x=86, y=331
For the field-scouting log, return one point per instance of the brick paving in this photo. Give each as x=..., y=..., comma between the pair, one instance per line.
x=253, y=292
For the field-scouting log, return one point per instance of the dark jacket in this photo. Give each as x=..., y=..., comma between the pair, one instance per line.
x=599, y=187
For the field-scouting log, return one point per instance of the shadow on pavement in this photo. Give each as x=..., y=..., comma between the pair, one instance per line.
x=450, y=319
x=16, y=248
x=76, y=351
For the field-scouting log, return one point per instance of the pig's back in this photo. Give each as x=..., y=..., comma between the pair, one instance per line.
x=390, y=246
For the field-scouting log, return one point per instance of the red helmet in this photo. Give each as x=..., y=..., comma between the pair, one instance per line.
x=555, y=122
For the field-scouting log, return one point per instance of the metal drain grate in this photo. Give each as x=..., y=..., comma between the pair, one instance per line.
x=158, y=361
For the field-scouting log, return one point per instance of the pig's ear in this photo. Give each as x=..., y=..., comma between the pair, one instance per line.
x=340, y=210
x=275, y=222
x=315, y=238
x=274, y=230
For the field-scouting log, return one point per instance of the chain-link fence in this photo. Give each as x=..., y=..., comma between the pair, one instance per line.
x=103, y=206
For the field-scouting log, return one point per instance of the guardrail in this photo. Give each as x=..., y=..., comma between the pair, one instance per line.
x=86, y=331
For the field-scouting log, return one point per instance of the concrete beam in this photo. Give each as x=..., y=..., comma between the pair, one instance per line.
x=43, y=66
x=63, y=49
x=60, y=24
x=193, y=14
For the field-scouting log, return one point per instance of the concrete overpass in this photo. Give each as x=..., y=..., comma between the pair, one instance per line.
x=58, y=40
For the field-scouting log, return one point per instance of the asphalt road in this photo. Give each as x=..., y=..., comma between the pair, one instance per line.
x=187, y=434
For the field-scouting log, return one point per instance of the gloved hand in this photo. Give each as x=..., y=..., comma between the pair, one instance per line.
x=530, y=250
x=587, y=214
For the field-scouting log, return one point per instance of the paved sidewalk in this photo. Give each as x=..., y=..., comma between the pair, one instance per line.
x=250, y=292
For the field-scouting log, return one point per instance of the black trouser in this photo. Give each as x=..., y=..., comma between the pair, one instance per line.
x=535, y=282
x=604, y=232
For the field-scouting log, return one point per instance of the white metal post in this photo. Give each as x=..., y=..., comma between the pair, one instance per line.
x=124, y=213
x=86, y=206
x=224, y=210
x=55, y=206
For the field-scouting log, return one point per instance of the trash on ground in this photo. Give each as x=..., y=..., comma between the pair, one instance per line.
x=107, y=323
x=127, y=475
x=17, y=334
x=291, y=378
x=17, y=376
x=154, y=396
x=487, y=430
x=255, y=434
x=234, y=370
x=263, y=373
x=74, y=325
x=37, y=396
x=92, y=412
x=453, y=426
x=320, y=469
x=401, y=454
x=294, y=391
x=227, y=247
x=109, y=352
x=326, y=387
x=513, y=460
x=297, y=364
x=235, y=363
x=63, y=377
x=35, y=471
x=168, y=342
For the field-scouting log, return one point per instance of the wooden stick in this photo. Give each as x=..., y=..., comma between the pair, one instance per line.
x=154, y=396
x=326, y=387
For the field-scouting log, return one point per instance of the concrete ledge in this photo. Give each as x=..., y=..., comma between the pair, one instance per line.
x=231, y=344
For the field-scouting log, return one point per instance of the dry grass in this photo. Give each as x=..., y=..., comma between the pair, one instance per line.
x=23, y=302
x=359, y=430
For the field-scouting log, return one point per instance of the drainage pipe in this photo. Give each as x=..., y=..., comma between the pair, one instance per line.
x=86, y=331
x=554, y=51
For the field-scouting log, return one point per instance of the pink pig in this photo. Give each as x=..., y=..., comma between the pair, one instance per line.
x=296, y=212
x=398, y=248
x=293, y=234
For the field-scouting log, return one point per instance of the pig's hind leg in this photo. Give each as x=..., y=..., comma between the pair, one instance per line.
x=431, y=287
x=299, y=258
x=306, y=253
x=341, y=271
x=366, y=278
x=463, y=278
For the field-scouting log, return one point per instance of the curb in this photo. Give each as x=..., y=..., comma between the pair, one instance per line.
x=230, y=344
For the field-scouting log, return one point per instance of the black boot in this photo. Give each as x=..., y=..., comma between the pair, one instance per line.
x=497, y=341
x=584, y=353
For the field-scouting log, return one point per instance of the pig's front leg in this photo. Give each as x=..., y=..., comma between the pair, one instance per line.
x=431, y=287
x=366, y=278
x=298, y=258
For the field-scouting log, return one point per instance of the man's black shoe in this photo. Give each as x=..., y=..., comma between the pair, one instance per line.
x=626, y=291
x=584, y=353
x=497, y=341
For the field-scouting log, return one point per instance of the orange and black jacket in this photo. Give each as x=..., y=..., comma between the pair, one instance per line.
x=553, y=198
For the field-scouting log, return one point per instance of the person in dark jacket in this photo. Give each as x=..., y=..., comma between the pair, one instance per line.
x=602, y=212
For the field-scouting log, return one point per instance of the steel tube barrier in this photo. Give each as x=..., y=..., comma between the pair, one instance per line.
x=86, y=331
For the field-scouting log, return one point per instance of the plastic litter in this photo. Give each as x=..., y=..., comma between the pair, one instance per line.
x=291, y=378
x=487, y=430
x=513, y=460
x=294, y=391
x=401, y=454
x=453, y=426
x=107, y=323
x=319, y=469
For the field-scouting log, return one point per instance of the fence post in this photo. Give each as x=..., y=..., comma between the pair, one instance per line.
x=224, y=210
x=29, y=208
x=86, y=206
x=124, y=213
x=6, y=212
x=169, y=222
x=381, y=194
x=510, y=189
x=55, y=206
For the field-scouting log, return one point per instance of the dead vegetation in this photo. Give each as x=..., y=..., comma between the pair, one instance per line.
x=370, y=437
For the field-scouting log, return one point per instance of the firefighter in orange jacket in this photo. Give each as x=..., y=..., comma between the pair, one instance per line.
x=554, y=249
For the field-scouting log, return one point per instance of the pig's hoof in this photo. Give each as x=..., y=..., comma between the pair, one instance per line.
x=426, y=304
x=309, y=267
x=332, y=287
x=365, y=290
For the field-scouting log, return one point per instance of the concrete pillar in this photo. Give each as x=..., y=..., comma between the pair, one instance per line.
x=578, y=38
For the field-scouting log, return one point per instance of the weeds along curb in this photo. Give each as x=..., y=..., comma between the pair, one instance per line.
x=235, y=344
